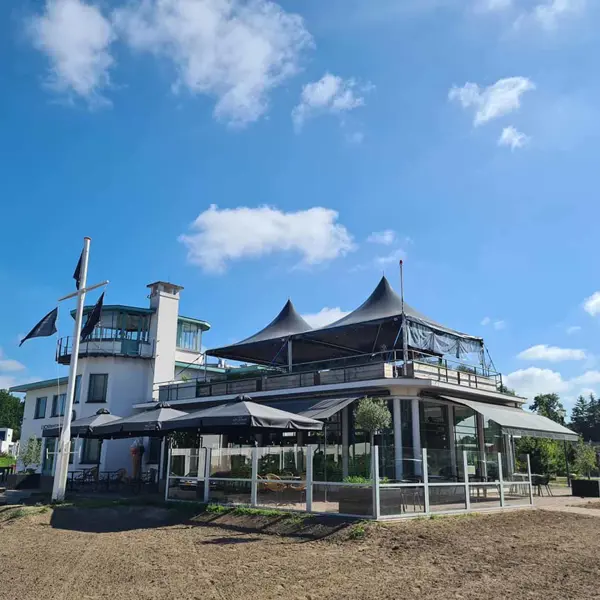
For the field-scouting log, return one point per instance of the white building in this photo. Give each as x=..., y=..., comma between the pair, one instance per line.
x=6, y=443
x=120, y=365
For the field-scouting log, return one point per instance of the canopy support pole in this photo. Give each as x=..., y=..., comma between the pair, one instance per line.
x=345, y=442
x=567, y=463
x=416, y=435
x=289, y=354
x=404, y=332
x=398, y=459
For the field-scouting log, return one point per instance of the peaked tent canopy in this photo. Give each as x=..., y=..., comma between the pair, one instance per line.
x=268, y=346
x=242, y=414
x=375, y=326
x=148, y=423
x=83, y=427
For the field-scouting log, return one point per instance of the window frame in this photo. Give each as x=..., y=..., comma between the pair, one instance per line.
x=54, y=412
x=85, y=459
x=36, y=414
x=91, y=387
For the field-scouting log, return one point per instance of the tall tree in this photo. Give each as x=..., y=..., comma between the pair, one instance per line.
x=549, y=405
x=580, y=417
x=11, y=412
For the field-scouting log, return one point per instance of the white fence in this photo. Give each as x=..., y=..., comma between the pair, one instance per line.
x=283, y=478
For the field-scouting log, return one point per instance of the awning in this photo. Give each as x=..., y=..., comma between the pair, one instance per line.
x=314, y=408
x=516, y=421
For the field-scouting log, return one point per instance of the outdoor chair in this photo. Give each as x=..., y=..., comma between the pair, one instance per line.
x=414, y=495
x=273, y=483
x=540, y=482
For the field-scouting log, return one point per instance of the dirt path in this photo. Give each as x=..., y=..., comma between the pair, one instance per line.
x=143, y=554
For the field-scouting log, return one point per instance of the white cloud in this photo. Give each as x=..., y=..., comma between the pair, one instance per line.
x=75, y=37
x=497, y=324
x=591, y=305
x=330, y=95
x=386, y=237
x=501, y=98
x=573, y=329
x=513, y=138
x=393, y=257
x=355, y=138
x=325, y=316
x=220, y=236
x=8, y=365
x=237, y=52
x=551, y=353
x=549, y=13
x=533, y=381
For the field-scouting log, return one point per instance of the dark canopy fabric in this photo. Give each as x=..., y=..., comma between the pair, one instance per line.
x=242, y=414
x=268, y=346
x=83, y=427
x=148, y=423
x=374, y=327
x=314, y=408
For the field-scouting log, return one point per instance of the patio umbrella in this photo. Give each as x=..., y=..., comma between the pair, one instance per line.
x=242, y=414
x=82, y=427
x=148, y=423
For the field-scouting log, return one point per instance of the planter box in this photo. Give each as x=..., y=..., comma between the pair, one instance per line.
x=24, y=481
x=359, y=501
x=585, y=488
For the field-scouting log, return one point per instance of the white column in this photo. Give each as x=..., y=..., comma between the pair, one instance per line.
x=254, y=484
x=425, y=481
x=310, y=452
x=416, y=435
x=207, y=462
x=466, y=474
x=345, y=442
x=501, y=479
x=375, y=474
x=398, y=438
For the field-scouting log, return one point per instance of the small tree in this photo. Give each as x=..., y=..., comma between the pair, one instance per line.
x=372, y=415
x=31, y=452
x=585, y=459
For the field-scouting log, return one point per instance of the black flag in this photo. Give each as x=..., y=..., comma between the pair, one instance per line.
x=45, y=328
x=93, y=318
x=77, y=273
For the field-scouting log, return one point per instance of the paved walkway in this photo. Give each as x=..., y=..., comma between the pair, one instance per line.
x=562, y=501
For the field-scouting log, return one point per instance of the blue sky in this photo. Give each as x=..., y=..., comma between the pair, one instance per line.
x=252, y=151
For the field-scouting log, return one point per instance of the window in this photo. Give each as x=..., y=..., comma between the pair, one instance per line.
x=154, y=450
x=189, y=336
x=40, y=408
x=77, y=389
x=58, y=405
x=91, y=452
x=97, y=388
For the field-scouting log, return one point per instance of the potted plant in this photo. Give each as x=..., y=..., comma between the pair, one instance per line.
x=372, y=415
x=585, y=464
x=30, y=454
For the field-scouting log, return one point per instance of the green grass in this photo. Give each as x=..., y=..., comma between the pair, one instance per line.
x=221, y=509
x=7, y=461
x=357, y=531
x=24, y=511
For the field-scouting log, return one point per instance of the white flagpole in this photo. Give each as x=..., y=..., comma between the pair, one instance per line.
x=64, y=445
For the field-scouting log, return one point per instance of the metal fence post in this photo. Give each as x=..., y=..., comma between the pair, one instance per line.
x=529, y=479
x=425, y=481
x=207, y=461
x=501, y=479
x=375, y=476
x=466, y=473
x=254, y=484
x=168, y=474
x=310, y=450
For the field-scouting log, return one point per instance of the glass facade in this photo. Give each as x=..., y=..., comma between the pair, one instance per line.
x=189, y=336
x=122, y=325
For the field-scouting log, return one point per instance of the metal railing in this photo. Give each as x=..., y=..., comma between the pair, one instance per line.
x=105, y=347
x=372, y=498
x=378, y=365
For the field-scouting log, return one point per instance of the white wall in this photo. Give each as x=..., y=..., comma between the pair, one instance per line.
x=7, y=442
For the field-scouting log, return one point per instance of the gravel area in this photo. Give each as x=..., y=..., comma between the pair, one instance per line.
x=150, y=553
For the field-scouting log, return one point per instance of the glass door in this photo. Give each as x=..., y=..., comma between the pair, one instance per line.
x=49, y=458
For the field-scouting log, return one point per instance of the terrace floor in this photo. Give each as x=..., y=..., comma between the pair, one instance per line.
x=150, y=553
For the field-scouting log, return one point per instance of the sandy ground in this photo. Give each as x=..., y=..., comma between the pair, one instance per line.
x=152, y=553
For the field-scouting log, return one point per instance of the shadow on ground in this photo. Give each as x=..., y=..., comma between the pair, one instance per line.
x=123, y=517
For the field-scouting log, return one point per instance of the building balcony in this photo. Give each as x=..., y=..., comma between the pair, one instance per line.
x=104, y=347
x=357, y=369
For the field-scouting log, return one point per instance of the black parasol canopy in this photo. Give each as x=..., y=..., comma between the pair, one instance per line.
x=83, y=427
